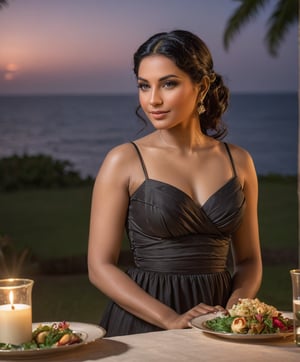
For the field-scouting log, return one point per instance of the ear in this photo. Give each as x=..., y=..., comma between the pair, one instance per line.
x=203, y=87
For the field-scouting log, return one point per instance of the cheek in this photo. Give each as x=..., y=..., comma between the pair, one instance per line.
x=143, y=100
x=185, y=103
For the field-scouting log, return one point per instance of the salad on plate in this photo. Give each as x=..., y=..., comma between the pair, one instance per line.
x=48, y=336
x=251, y=317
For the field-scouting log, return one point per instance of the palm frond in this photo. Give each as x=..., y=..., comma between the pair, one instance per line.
x=242, y=15
x=3, y=3
x=284, y=15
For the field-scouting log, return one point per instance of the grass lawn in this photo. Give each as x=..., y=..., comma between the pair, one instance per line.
x=276, y=288
x=54, y=224
x=49, y=222
x=67, y=297
x=278, y=210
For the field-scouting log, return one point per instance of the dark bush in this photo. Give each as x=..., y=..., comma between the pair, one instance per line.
x=38, y=172
x=13, y=262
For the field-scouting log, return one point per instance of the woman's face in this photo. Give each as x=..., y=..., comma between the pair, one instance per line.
x=167, y=94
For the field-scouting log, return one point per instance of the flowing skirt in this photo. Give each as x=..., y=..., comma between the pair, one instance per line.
x=180, y=292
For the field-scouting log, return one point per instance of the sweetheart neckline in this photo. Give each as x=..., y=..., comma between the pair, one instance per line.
x=201, y=206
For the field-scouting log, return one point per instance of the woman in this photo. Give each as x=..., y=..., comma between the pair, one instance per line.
x=184, y=196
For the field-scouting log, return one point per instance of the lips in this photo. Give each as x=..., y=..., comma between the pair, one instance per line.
x=158, y=114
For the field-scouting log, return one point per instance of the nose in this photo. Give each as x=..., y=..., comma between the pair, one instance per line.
x=155, y=98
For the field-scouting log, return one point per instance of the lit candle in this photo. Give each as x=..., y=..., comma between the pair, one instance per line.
x=15, y=322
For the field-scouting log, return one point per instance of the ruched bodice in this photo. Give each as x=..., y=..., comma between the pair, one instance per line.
x=169, y=232
x=180, y=248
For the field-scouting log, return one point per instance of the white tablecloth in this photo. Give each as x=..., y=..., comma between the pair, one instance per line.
x=177, y=345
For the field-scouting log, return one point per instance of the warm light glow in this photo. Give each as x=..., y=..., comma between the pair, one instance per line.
x=11, y=298
x=12, y=67
x=10, y=72
x=9, y=76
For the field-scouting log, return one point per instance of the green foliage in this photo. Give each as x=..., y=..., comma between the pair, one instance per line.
x=284, y=14
x=37, y=172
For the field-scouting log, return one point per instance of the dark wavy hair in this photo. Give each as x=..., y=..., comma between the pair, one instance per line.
x=192, y=56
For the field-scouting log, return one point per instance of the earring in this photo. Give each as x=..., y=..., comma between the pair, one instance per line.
x=201, y=109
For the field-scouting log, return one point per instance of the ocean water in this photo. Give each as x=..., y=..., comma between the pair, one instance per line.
x=82, y=129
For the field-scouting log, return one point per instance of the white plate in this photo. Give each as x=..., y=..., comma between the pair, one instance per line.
x=199, y=323
x=89, y=333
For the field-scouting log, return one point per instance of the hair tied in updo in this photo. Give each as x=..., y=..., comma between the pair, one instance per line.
x=212, y=76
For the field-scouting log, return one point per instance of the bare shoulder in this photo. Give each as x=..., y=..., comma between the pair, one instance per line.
x=118, y=161
x=243, y=161
x=120, y=153
x=240, y=154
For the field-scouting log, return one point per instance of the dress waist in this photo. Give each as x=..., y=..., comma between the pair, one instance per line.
x=188, y=255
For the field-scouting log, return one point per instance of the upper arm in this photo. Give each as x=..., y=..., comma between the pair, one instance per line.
x=109, y=208
x=246, y=244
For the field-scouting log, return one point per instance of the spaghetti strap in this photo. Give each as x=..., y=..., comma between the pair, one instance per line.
x=231, y=159
x=141, y=159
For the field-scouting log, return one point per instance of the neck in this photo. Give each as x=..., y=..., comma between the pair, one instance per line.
x=182, y=140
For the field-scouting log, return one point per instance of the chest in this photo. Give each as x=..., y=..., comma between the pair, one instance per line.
x=162, y=210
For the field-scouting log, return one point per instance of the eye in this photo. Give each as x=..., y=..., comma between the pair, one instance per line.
x=170, y=84
x=143, y=86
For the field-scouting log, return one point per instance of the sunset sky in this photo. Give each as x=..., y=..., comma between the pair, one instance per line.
x=86, y=46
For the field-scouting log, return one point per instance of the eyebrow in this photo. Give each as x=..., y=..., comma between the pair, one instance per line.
x=160, y=79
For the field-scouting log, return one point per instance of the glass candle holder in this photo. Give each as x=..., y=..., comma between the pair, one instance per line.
x=15, y=310
x=295, y=275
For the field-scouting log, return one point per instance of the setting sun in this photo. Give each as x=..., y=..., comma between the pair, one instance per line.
x=10, y=71
x=12, y=67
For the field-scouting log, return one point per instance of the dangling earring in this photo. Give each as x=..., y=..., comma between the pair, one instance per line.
x=201, y=109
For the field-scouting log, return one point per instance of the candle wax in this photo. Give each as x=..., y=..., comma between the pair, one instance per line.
x=15, y=323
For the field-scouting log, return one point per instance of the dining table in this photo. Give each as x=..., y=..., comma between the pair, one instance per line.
x=183, y=345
